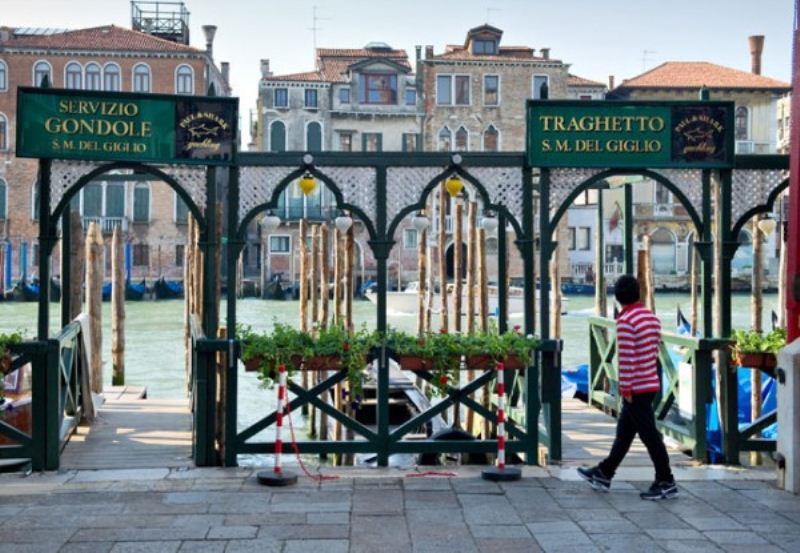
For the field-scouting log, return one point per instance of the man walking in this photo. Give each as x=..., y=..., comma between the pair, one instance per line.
x=638, y=334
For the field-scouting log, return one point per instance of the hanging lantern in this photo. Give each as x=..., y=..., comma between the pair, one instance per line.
x=343, y=223
x=489, y=224
x=307, y=184
x=420, y=222
x=270, y=222
x=453, y=185
x=767, y=225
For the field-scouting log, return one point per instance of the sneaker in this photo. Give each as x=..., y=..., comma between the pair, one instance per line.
x=595, y=477
x=660, y=490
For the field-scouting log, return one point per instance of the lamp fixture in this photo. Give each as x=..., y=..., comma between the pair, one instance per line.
x=420, y=222
x=489, y=224
x=343, y=223
x=767, y=225
x=270, y=222
x=307, y=184
x=454, y=185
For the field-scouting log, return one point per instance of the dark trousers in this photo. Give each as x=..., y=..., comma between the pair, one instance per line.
x=637, y=417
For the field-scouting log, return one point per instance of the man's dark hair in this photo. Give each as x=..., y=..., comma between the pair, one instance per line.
x=626, y=290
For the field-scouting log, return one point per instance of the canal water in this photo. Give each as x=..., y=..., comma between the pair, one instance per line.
x=154, y=354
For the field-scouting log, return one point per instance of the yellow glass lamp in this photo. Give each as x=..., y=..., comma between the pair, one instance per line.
x=453, y=185
x=307, y=184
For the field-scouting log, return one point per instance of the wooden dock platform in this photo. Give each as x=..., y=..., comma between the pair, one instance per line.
x=131, y=431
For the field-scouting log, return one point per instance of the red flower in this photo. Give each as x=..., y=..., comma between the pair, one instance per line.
x=443, y=380
x=346, y=346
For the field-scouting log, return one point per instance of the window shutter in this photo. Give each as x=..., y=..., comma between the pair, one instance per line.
x=3, y=192
x=141, y=204
x=115, y=200
x=380, y=142
x=92, y=200
x=181, y=210
x=363, y=142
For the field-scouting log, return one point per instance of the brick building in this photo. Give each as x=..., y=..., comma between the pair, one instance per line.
x=107, y=58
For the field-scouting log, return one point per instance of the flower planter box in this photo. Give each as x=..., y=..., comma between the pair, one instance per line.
x=323, y=363
x=413, y=363
x=514, y=363
x=5, y=362
x=254, y=363
x=482, y=362
x=756, y=360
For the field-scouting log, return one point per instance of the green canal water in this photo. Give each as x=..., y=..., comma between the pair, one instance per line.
x=154, y=353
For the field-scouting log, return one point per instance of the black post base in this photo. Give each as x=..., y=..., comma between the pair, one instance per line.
x=276, y=479
x=505, y=474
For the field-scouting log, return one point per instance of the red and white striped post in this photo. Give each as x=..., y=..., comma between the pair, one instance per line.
x=278, y=477
x=499, y=472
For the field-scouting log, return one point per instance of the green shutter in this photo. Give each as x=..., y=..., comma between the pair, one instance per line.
x=314, y=137
x=141, y=204
x=363, y=142
x=3, y=196
x=115, y=200
x=380, y=142
x=181, y=210
x=92, y=200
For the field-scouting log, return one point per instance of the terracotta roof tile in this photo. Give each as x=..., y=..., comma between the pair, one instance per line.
x=332, y=64
x=308, y=76
x=107, y=37
x=459, y=53
x=574, y=80
x=696, y=74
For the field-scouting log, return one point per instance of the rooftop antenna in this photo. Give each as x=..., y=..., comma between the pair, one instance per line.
x=314, y=28
x=489, y=13
x=646, y=58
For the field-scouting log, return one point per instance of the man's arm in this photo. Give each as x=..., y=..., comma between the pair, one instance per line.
x=626, y=351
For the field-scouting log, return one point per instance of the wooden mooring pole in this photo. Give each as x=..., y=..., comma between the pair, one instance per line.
x=472, y=217
x=94, y=302
x=443, y=315
x=76, y=264
x=117, y=310
x=756, y=322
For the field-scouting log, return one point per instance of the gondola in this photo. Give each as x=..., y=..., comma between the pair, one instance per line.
x=134, y=291
x=25, y=292
x=273, y=290
x=167, y=290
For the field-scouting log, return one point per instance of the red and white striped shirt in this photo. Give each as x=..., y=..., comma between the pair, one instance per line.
x=638, y=334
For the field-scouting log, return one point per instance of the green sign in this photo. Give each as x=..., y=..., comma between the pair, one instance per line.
x=567, y=133
x=116, y=126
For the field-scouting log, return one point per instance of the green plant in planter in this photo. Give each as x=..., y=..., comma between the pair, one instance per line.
x=6, y=341
x=444, y=350
x=404, y=344
x=756, y=342
x=514, y=343
x=352, y=352
x=282, y=345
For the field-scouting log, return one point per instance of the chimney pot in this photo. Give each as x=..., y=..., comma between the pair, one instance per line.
x=210, y=31
x=545, y=53
x=611, y=82
x=428, y=52
x=756, y=48
x=418, y=50
x=265, y=72
x=5, y=34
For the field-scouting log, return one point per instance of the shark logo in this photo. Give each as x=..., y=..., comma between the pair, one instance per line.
x=203, y=131
x=699, y=135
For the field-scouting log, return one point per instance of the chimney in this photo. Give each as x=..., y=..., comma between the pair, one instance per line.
x=428, y=52
x=611, y=82
x=5, y=34
x=209, y=31
x=545, y=53
x=756, y=48
x=419, y=52
x=265, y=72
x=225, y=69
x=533, y=52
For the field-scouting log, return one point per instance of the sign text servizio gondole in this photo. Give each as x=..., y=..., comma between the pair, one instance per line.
x=565, y=133
x=114, y=126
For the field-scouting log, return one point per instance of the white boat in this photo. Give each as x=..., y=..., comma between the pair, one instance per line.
x=407, y=301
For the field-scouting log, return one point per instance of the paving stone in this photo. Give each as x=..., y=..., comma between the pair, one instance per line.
x=488, y=509
x=265, y=545
x=674, y=534
x=498, y=531
x=300, y=531
x=87, y=547
x=508, y=545
x=786, y=542
x=379, y=533
x=474, y=485
x=50, y=535
x=555, y=541
x=561, y=527
x=198, y=520
x=385, y=502
x=624, y=543
x=203, y=547
x=621, y=526
x=140, y=534
x=231, y=532
x=689, y=546
x=145, y=547
x=714, y=523
x=656, y=520
x=430, y=500
x=317, y=546
x=429, y=484
x=597, y=515
x=267, y=518
x=725, y=537
x=328, y=518
x=761, y=549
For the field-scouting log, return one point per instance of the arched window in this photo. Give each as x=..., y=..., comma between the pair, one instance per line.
x=3, y=132
x=3, y=200
x=3, y=76
x=742, y=126
x=93, y=81
x=314, y=137
x=42, y=69
x=141, y=78
x=184, y=80
x=73, y=75
x=112, y=77
x=462, y=140
x=445, y=140
x=277, y=136
x=141, y=203
x=491, y=139
x=663, y=251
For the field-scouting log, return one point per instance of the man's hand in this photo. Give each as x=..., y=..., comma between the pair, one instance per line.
x=628, y=397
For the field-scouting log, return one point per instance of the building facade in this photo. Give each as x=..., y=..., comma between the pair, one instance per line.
x=109, y=58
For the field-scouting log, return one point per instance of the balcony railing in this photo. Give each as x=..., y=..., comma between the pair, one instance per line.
x=106, y=224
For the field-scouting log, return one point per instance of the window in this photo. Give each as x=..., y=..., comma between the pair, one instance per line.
x=571, y=238
x=311, y=97
x=371, y=142
x=491, y=90
x=281, y=98
x=35, y=200
x=484, y=47
x=411, y=142
x=141, y=203
x=584, y=238
x=184, y=80
x=279, y=244
x=112, y=79
x=663, y=195
x=73, y=76
x=539, y=81
x=181, y=210
x=3, y=200
x=584, y=97
x=452, y=90
x=115, y=199
x=180, y=254
x=445, y=140
x=41, y=70
x=378, y=88
x=141, y=255
x=345, y=142
x=277, y=136
x=314, y=136
x=344, y=95
x=492, y=246
x=93, y=200
x=411, y=96
x=491, y=139
x=462, y=140
x=93, y=77
x=3, y=76
x=141, y=78
x=741, y=124
x=3, y=132
x=410, y=238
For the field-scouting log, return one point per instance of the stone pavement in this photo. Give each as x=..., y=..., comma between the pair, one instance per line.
x=385, y=511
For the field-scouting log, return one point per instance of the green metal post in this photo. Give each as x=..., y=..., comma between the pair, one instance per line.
x=730, y=382
x=231, y=384
x=502, y=275
x=702, y=396
x=210, y=315
x=39, y=409
x=54, y=408
x=45, y=245
x=628, y=229
x=545, y=251
x=599, y=260
x=381, y=249
x=66, y=277
x=704, y=248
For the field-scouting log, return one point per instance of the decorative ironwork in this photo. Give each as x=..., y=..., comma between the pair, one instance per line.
x=688, y=181
x=564, y=181
x=752, y=188
x=257, y=184
x=404, y=186
x=504, y=186
x=63, y=175
x=192, y=178
x=358, y=186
